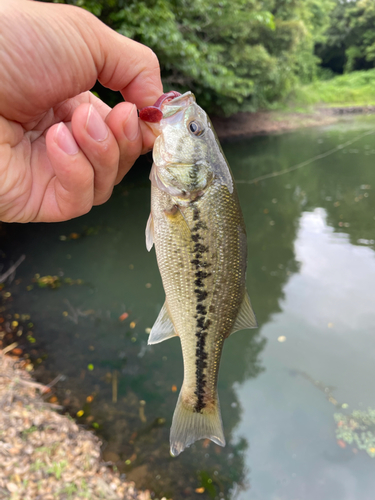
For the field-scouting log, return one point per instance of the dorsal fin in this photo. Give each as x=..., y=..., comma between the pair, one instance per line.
x=163, y=328
x=246, y=316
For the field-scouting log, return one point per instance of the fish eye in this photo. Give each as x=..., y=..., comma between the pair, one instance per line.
x=196, y=128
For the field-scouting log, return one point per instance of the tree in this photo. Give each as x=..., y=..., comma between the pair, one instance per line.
x=233, y=54
x=350, y=38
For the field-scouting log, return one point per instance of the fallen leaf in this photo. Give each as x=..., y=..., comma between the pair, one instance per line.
x=12, y=487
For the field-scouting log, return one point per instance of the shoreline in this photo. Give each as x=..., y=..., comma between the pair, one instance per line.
x=246, y=125
x=45, y=454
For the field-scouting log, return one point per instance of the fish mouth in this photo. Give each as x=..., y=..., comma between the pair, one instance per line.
x=176, y=105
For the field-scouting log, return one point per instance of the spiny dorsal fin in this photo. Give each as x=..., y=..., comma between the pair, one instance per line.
x=163, y=328
x=246, y=316
x=150, y=232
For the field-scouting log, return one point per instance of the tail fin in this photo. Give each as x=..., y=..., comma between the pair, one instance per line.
x=188, y=426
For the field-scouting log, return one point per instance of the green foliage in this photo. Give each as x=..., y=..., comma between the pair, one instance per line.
x=358, y=429
x=233, y=54
x=57, y=468
x=356, y=88
x=350, y=39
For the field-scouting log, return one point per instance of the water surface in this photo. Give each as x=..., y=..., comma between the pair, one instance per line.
x=311, y=274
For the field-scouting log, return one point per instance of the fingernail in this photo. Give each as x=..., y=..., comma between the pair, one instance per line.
x=95, y=125
x=131, y=126
x=65, y=140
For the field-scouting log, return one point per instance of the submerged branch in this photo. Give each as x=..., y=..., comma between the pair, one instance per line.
x=12, y=269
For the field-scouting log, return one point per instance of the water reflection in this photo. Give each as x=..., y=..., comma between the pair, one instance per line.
x=327, y=317
x=311, y=269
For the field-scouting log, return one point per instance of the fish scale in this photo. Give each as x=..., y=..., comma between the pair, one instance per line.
x=226, y=260
x=199, y=234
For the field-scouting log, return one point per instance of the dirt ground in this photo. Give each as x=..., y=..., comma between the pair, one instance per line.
x=271, y=122
x=45, y=455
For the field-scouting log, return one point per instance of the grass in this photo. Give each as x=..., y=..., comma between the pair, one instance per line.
x=353, y=89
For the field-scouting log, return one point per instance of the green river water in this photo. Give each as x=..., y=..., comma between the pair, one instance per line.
x=297, y=394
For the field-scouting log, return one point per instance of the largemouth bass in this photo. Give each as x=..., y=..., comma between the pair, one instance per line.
x=197, y=227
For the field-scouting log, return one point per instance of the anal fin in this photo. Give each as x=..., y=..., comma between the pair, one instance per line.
x=163, y=328
x=246, y=316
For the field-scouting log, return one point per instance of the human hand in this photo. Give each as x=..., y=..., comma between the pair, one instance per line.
x=62, y=149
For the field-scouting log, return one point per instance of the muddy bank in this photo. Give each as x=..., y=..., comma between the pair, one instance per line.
x=45, y=455
x=243, y=125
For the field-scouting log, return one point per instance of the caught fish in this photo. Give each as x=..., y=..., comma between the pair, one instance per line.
x=197, y=227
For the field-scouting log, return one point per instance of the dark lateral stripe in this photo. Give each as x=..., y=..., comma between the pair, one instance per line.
x=202, y=323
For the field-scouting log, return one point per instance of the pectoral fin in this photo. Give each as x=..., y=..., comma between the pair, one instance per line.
x=175, y=215
x=163, y=328
x=246, y=316
x=150, y=232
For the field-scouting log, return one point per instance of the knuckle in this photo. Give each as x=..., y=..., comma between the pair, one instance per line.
x=101, y=198
x=77, y=210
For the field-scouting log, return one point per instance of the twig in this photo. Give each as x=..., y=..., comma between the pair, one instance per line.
x=28, y=383
x=54, y=382
x=12, y=269
x=51, y=405
x=114, y=387
x=10, y=347
x=142, y=415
